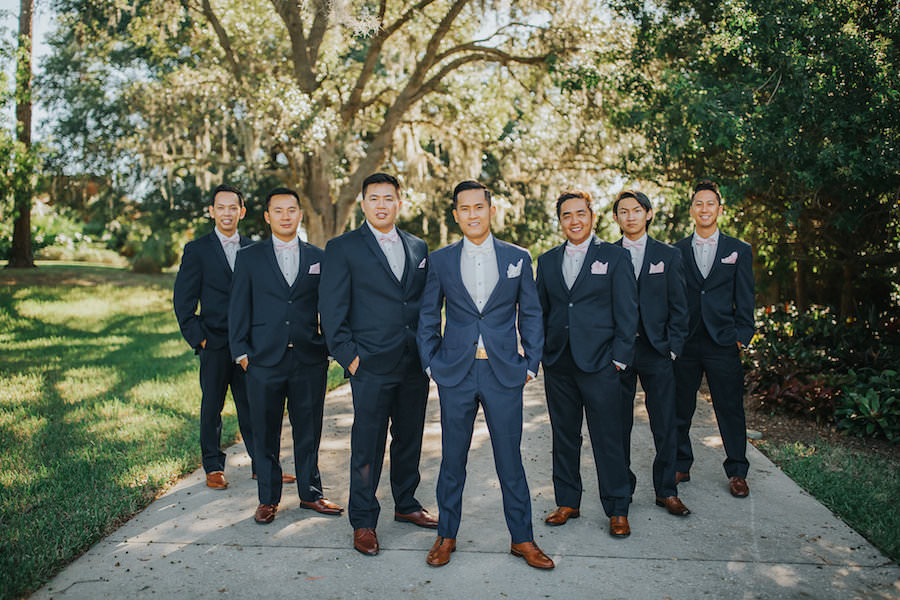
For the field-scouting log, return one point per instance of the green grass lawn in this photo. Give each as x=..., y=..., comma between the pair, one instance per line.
x=861, y=488
x=99, y=410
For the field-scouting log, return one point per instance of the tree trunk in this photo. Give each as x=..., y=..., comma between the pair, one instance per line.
x=800, y=289
x=22, y=255
x=848, y=303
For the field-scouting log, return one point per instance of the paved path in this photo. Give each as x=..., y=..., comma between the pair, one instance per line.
x=194, y=542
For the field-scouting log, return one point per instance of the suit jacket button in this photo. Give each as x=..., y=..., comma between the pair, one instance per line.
x=702, y=292
x=290, y=301
x=287, y=322
x=571, y=305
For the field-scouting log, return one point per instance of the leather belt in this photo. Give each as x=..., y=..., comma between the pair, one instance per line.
x=481, y=354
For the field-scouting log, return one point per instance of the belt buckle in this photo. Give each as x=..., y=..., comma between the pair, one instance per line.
x=481, y=354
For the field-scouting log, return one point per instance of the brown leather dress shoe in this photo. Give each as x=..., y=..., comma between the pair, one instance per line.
x=679, y=477
x=738, y=487
x=265, y=513
x=365, y=541
x=421, y=518
x=285, y=478
x=532, y=555
x=439, y=555
x=618, y=527
x=561, y=515
x=674, y=505
x=216, y=480
x=322, y=505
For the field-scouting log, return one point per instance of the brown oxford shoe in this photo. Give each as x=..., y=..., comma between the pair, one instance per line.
x=365, y=541
x=679, y=477
x=439, y=555
x=561, y=515
x=532, y=555
x=285, y=478
x=674, y=505
x=618, y=527
x=216, y=480
x=265, y=513
x=322, y=505
x=420, y=518
x=738, y=487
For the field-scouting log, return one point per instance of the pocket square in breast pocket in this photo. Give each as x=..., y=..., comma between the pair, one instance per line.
x=314, y=269
x=599, y=268
x=422, y=264
x=659, y=267
x=730, y=259
x=513, y=271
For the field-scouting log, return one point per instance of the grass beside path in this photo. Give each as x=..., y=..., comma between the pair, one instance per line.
x=862, y=489
x=99, y=410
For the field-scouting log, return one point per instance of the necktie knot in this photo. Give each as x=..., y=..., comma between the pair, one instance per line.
x=575, y=250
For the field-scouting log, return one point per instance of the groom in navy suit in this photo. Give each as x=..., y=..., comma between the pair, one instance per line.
x=204, y=278
x=662, y=327
x=369, y=299
x=274, y=334
x=488, y=291
x=589, y=300
x=719, y=276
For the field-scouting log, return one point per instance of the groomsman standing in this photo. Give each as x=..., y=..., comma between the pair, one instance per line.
x=589, y=300
x=274, y=333
x=204, y=278
x=720, y=302
x=487, y=289
x=371, y=291
x=662, y=327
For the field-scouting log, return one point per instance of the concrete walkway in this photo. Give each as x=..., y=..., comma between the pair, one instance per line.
x=194, y=542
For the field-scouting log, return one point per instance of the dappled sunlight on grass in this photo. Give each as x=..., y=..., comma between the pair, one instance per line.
x=85, y=382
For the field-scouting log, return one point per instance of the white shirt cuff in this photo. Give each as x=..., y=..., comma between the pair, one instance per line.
x=672, y=354
x=620, y=365
x=428, y=371
x=240, y=358
x=532, y=374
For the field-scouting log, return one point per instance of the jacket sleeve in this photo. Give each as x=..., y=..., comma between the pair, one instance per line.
x=744, y=296
x=428, y=333
x=186, y=296
x=335, y=300
x=531, y=318
x=240, y=308
x=679, y=319
x=543, y=295
x=625, y=311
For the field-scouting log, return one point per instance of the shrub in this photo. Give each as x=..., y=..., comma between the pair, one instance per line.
x=870, y=405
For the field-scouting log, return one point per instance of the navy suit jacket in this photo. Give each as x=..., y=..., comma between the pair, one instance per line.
x=450, y=354
x=724, y=301
x=266, y=314
x=366, y=311
x=598, y=317
x=205, y=277
x=662, y=299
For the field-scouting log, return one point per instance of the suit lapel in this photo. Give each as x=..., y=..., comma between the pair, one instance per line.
x=219, y=251
x=410, y=266
x=692, y=260
x=649, y=255
x=273, y=262
x=500, y=256
x=303, y=261
x=456, y=257
x=375, y=248
x=721, y=249
x=589, y=258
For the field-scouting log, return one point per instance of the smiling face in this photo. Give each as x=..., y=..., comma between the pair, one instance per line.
x=284, y=215
x=632, y=218
x=576, y=220
x=705, y=210
x=473, y=212
x=380, y=204
x=226, y=211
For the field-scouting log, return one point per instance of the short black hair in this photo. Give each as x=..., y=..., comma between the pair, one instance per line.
x=226, y=188
x=641, y=198
x=281, y=191
x=707, y=184
x=469, y=184
x=571, y=194
x=379, y=178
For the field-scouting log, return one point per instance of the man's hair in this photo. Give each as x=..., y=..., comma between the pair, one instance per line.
x=571, y=194
x=469, y=185
x=281, y=191
x=707, y=184
x=379, y=178
x=226, y=188
x=641, y=199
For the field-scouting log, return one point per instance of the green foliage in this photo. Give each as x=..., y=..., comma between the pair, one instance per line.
x=870, y=404
x=155, y=253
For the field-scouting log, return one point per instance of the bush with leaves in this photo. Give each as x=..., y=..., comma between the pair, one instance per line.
x=870, y=404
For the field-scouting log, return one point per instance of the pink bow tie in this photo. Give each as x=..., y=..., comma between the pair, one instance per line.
x=710, y=241
x=389, y=237
x=628, y=244
x=575, y=250
x=230, y=242
x=292, y=245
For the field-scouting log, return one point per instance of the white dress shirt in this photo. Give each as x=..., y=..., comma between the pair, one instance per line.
x=230, y=245
x=288, y=258
x=478, y=268
x=705, y=251
x=573, y=259
x=637, y=249
x=392, y=247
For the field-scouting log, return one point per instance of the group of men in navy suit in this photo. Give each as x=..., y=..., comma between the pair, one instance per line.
x=472, y=317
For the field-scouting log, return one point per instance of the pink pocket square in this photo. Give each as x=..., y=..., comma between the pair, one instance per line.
x=659, y=267
x=599, y=268
x=314, y=269
x=422, y=264
x=730, y=259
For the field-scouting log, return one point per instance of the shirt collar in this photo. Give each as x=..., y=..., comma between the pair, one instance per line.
x=376, y=233
x=487, y=244
x=224, y=238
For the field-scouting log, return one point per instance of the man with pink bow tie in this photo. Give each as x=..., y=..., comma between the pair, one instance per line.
x=204, y=278
x=275, y=337
x=720, y=295
x=588, y=297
